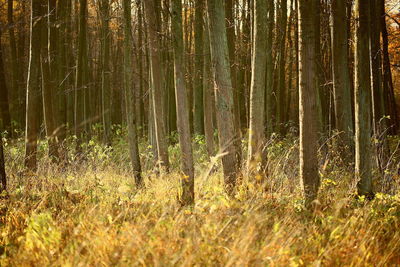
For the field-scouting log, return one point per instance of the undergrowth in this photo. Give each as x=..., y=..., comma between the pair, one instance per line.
x=89, y=213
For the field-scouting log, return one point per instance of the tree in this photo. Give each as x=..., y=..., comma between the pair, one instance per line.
x=129, y=94
x=378, y=102
x=388, y=88
x=223, y=92
x=198, y=111
x=4, y=104
x=281, y=58
x=187, y=179
x=341, y=75
x=208, y=96
x=3, y=176
x=363, y=100
x=153, y=28
x=104, y=7
x=33, y=87
x=269, y=69
x=15, y=73
x=48, y=71
x=308, y=101
x=81, y=76
x=257, y=91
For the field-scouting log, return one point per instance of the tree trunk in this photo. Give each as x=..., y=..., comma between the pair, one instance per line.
x=33, y=88
x=308, y=101
x=16, y=76
x=269, y=113
x=378, y=103
x=48, y=81
x=208, y=96
x=187, y=179
x=363, y=100
x=3, y=176
x=81, y=76
x=257, y=157
x=104, y=7
x=129, y=94
x=4, y=104
x=63, y=73
x=223, y=92
x=281, y=58
x=388, y=88
x=198, y=113
x=341, y=76
x=153, y=27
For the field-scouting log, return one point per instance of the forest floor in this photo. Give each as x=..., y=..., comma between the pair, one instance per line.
x=91, y=214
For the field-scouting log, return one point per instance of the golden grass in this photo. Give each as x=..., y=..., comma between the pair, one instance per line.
x=92, y=216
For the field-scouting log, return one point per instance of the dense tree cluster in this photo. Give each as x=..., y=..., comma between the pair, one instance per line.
x=246, y=69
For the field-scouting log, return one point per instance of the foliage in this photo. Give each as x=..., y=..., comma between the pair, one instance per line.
x=91, y=214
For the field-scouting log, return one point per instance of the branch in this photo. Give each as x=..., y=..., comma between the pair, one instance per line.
x=394, y=19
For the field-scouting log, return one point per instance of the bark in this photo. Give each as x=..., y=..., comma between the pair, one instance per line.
x=209, y=103
x=388, y=88
x=63, y=73
x=308, y=101
x=81, y=76
x=281, y=58
x=187, y=179
x=378, y=105
x=341, y=75
x=4, y=104
x=129, y=94
x=16, y=75
x=104, y=7
x=153, y=27
x=223, y=92
x=33, y=88
x=198, y=112
x=257, y=157
x=363, y=100
x=269, y=113
x=3, y=176
x=48, y=81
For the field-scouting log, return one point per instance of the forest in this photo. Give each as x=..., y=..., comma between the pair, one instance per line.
x=200, y=132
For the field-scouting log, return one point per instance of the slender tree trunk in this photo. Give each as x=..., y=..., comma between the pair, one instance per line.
x=308, y=101
x=16, y=76
x=153, y=27
x=281, y=90
x=33, y=88
x=378, y=103
x=269, y=113
x=3, y=176
x=4, y=104
x=140, y=117
x=104, y=7
x=81, y=76
x=209, y=103
x=341, y=75
x=363, y=100
x=388, y=88
x=257, y=157
x=198, y=113
x=223, y=92
x=129, y=94
x=48, y=81
x=63, y=73
x=187, y=179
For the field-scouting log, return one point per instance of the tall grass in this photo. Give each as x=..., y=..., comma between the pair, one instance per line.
x=89, y=213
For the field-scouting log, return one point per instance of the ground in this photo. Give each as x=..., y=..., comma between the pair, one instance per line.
x=89, y=213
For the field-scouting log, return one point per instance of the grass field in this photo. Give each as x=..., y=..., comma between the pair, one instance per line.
x=91, y=214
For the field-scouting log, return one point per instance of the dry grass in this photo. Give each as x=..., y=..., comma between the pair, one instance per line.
x=92, y=215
